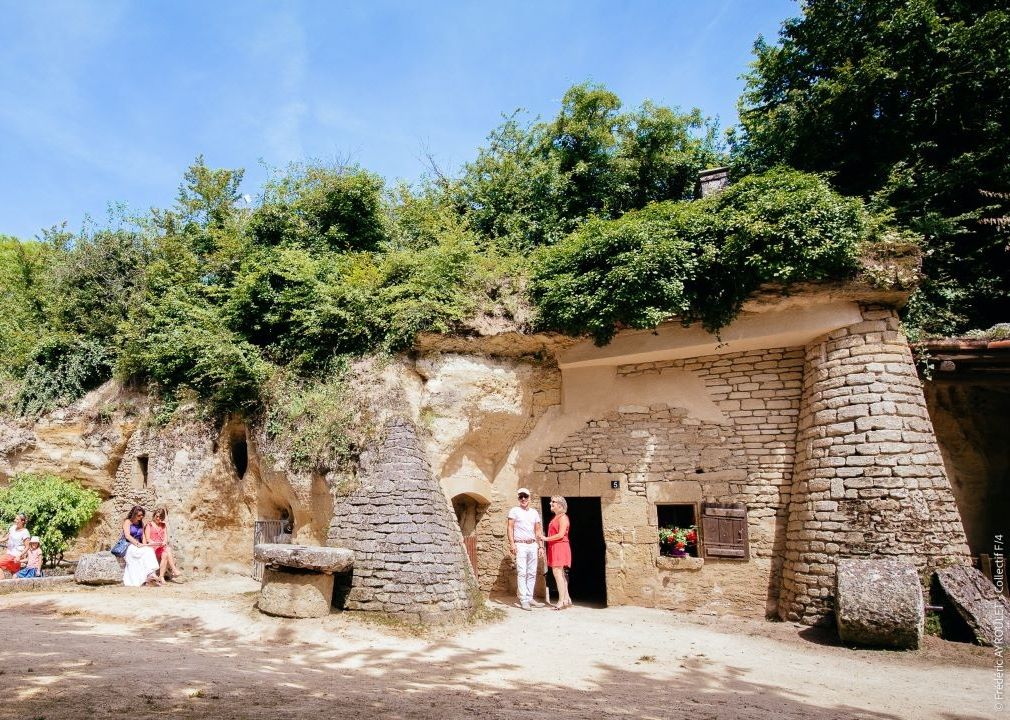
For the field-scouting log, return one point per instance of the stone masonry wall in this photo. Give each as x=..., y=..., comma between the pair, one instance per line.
x=408, y=550
x=759, y=392
x=662, y=454
x=210, y=507
x=869, y=478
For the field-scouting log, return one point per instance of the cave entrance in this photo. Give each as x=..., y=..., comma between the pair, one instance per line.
x=239, y=454
x=469, y=509
x=587, y=580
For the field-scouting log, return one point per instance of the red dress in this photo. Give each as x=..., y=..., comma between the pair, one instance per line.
x=559, y=552
x=157, y=534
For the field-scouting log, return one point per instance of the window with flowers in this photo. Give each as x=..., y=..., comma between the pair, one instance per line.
x=678, y=530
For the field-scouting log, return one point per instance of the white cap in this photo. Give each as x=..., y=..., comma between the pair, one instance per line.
x=520, y=491
x=34, y=539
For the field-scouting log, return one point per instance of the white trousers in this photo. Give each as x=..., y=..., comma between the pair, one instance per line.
x=526, y=570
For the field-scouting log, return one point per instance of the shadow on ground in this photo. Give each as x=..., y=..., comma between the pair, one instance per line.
x=67, y=667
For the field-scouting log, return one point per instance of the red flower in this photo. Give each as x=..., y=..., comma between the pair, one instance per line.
x=680, y=546
x=692, y=536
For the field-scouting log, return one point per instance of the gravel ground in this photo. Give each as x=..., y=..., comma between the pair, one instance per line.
x=203, y=650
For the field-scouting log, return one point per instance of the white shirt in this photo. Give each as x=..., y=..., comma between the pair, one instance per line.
x=525, y=524
x=16, y=540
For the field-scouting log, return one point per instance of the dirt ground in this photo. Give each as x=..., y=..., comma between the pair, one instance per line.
x=203, y=650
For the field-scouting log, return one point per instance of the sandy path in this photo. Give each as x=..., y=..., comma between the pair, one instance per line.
x=202, y=650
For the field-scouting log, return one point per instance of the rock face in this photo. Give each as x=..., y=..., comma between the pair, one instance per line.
x=879, y=603
x=101, y=568
x=984, y=610
x=320, y=559
x=408, y=550
x=296, y=594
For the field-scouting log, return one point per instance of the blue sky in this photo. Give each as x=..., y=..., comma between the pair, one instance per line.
x=110, y=101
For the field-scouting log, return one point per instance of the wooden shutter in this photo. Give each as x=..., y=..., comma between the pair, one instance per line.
x=724, y=530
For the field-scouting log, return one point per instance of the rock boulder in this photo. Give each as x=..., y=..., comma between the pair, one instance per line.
x=879, y=603
x=305, y=557
x=974, y=598
x=101, y=568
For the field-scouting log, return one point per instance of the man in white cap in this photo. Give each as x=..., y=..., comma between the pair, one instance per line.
x=525, y=536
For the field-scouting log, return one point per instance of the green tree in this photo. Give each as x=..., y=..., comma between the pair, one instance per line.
x=328, y=208
x=534, y=183
x=907, y=103
x=56, y=509
x=22, y=275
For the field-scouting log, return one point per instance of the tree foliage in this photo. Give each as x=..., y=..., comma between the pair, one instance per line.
x=536, y=182
x=56, y=509
x=699, y=261
x=905, y=103
x=585, y=221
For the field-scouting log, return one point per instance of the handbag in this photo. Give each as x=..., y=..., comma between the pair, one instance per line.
x=119, y=549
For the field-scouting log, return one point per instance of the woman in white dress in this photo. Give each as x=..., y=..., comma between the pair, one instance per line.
x=141, y=563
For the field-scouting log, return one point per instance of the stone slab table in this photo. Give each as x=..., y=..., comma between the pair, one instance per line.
x=298, y=579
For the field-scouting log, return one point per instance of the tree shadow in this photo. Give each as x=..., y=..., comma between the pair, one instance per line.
x=64, y=665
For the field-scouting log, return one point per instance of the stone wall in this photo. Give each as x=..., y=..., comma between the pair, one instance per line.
x=408, y=550
x=869, y=479
x=186, y=469
x=666, y=454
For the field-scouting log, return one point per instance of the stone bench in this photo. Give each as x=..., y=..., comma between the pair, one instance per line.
x=32, y=584
x=298, y=579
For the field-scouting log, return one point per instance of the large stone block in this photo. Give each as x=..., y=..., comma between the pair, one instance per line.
x=306, y=557
x=879, y=603
x=295, y=594
x=977, y=601
x=101, y=568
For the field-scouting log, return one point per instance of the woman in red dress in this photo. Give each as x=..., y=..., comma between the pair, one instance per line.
x=559, y=551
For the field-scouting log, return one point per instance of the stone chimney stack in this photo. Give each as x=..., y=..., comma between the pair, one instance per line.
x=713, y=180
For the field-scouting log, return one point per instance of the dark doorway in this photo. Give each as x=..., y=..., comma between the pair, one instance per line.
x=587, y=581
x=239, y=455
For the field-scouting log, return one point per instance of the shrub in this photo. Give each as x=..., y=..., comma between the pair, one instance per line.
x=309, y=421
x=57, y=509
x=60, y=370
x=183, y=342
x=699, y=261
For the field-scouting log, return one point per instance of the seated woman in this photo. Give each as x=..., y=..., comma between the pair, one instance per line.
x=156, y=535
x=141, y=563
x=16, y=539
x=32, y=559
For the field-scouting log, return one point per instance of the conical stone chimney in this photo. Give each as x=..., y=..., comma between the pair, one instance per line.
x=409, y=557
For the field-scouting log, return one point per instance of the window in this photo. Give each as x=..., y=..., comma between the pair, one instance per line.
x=140, y=472
x=678, y=534
x=724, y=529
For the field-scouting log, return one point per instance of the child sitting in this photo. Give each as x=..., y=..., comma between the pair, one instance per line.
x=32, y=559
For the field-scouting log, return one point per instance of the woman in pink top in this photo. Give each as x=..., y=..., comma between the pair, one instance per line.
x=156, y=535
x=559, y=551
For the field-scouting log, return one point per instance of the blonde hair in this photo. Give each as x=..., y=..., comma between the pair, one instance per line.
x=160, y=514
x=560, y=501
